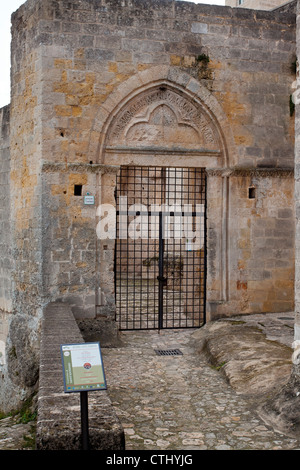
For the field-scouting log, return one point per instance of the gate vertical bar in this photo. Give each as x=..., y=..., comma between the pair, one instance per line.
x=205, y=244
x=160, y=273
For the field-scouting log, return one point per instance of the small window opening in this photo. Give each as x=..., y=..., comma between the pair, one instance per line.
x=251, y=193
x=78, y=190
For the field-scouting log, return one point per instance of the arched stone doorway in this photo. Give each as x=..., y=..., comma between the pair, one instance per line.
x=163, y=121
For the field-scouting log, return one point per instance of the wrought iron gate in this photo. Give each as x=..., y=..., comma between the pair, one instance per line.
x=160, y=255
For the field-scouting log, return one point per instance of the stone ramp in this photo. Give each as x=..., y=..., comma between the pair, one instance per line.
x=59, y=421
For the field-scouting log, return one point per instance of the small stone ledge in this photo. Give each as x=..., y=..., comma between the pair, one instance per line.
x=59, y=422
x=252, y=172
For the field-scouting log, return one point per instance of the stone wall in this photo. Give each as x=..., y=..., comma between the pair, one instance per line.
x=263, y=246
x=287, y=7
x=5, y=245
x=255, y=4
x=22, y=341
x=297, y=195
x=25, y=146
x=89, y=51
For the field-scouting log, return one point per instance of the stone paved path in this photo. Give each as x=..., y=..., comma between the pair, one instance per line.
x=170, y=402
x=180, y=402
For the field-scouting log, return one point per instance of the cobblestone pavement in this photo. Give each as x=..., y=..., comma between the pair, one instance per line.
x=173, y=402
x=180, y=402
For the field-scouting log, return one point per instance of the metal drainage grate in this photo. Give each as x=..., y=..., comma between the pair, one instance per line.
x=168, y=352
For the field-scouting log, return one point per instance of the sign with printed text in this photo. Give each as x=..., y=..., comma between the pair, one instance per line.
x=89, y=200
x=82, y=367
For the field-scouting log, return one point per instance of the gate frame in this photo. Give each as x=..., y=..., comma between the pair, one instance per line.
x=161, y=273
x=218, y=171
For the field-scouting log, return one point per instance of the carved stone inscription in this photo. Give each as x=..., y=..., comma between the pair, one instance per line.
x=163, y=117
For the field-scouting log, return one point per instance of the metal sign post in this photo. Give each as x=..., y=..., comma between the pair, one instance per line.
x=84, y=409
x=83, y=372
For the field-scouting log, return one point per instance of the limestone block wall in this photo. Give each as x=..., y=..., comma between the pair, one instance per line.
x=20, y=373
x=297, y=194
x=86, y=51
x=69, y=242
x=89, y=49
x=76, y=55
x=263, y=249
x=25, y=149
x=5, y=245
x=255, y=4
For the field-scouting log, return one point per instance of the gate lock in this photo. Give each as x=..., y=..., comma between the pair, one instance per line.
x=162, y=279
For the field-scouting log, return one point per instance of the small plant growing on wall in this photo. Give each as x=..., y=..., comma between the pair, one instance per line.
x=203, y=59
x=201, y=64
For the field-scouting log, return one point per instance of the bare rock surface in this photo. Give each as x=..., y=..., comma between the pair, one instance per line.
x=254, y=352
x=243, y=349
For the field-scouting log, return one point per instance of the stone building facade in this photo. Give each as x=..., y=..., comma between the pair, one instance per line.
x=258, y=4
x=98, y=85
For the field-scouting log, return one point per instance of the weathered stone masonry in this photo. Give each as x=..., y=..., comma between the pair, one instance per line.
x=297, y=200
x=78, y=68
x=5, y=248
x=5, y=261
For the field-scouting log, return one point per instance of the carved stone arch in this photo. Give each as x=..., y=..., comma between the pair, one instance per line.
x=164, y=117
x=163, y=110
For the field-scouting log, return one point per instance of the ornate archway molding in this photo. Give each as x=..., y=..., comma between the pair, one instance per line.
x=163, y=116
x=163, y=110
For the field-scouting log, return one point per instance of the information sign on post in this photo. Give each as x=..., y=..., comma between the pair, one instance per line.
x=83, y=372
x=82, y=367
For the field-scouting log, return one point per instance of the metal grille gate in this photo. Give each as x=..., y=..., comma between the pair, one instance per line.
x=160, y=256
